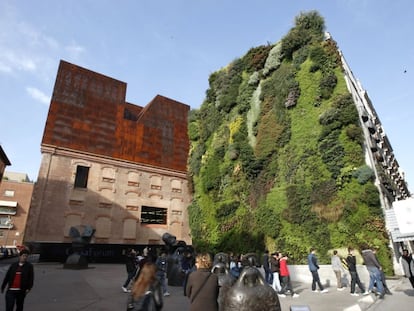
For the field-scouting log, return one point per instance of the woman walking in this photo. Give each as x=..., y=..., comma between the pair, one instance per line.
x=146, y=293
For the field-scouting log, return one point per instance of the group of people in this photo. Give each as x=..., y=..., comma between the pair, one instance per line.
x=148, y=276
x=202, y=286
x=376, y=275
x=277, y=273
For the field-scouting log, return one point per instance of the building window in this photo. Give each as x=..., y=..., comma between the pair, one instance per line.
x=133, y=179
x=108, y=174
x=9, y=193
x=81, y=179
x=176, y=186
x=156, y=182
x=153, y=215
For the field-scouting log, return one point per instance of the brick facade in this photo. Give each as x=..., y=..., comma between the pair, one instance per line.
x=20, y=193
x=135, y=156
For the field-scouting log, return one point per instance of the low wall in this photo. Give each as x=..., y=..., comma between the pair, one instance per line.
x=301, y=273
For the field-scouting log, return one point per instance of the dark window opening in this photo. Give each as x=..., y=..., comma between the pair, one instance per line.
x=153, y=215
x=81, y=179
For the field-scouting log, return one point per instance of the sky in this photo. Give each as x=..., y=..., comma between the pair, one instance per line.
x=171, y=47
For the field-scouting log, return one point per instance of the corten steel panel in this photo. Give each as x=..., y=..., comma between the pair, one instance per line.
x=88, y=113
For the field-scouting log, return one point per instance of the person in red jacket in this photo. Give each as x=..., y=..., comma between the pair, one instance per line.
x=19, y=280
x=285, y=277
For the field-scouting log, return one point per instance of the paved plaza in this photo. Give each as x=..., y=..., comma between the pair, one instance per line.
x=98, y=288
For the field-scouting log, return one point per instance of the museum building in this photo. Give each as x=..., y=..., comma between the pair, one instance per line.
x=110, y=165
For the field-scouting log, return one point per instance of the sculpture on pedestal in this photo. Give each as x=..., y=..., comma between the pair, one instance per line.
x=81, y=237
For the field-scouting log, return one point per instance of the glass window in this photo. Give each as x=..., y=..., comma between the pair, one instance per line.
x=81, y=179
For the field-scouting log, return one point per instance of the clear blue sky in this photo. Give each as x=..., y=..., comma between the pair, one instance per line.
x=171, y=47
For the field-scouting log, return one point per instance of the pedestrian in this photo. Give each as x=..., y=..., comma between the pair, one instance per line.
x=336, y=264
x=285, y=277
x=131, y=268
x=187, y=266
x=19, y=280
x=161, y=264
x=407, y=263
x=202, y=285
x=382, y=277
x=313, y=268
x=275, y=268
x=351, y=264
x=146, y=293
x=266, y=267
x=234, y=266
x=374, y=269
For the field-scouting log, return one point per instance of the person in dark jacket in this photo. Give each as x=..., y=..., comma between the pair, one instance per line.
x=19, y=280
x=351, y=264
x=275, y=269
x=162, y=268
x=407, y=263
x=313, y=268
x=146, y=293
x=131, y=268
x=202, y=286
x=266, y=267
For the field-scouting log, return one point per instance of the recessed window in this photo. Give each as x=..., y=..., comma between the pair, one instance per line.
x=81, y=179
x=153, y=215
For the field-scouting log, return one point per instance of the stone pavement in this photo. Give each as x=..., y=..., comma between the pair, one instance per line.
x=98, y=288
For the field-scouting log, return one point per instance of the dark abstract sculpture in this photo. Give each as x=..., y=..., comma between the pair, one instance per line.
x=222, y=257
x=225, y=280
x=175, y=253
x=250, y=260
x=81, y=237
x=251, y=293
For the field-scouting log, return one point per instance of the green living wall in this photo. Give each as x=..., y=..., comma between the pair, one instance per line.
x=277, y=157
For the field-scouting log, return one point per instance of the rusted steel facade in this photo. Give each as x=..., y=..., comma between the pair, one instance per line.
x=88, y=113
x=135, y=158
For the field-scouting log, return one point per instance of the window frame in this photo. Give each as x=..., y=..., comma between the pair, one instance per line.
x=81, y=177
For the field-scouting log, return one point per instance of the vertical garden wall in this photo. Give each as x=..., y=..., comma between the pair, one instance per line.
x=277, y=154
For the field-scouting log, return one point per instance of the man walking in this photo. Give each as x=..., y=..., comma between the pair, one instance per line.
x=337, y=268
x=407, y=263
x=374, y=268
x=313, y=268
x=131, y=268
x=266, y=267
x=351, y=263
x=19, y=280
x=161, y=264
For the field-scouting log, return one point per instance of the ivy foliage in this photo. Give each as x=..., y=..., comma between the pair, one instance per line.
x=277, y=154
